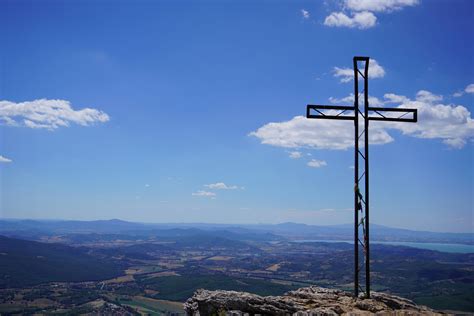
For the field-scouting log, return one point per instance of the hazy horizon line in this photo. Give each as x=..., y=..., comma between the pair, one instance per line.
x=217, y=223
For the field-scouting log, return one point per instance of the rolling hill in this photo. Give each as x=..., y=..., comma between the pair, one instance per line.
x=24, y=262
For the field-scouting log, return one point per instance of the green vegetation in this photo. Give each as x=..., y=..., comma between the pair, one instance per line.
x=26, y=262
x=448, y=296
x=460, y=302
x=180, y=288
x=153, y=307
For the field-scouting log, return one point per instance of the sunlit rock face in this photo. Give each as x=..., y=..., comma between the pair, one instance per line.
x=312, y=300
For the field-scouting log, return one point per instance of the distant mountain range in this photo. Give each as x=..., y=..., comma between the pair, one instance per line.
x=34, y=229
x=377, y=232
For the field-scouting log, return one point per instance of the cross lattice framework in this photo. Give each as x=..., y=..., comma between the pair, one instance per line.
x=361, y=118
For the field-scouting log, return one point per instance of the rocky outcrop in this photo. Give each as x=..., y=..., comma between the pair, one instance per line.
x=302, y=302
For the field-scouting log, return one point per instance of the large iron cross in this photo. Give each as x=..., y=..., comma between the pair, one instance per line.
x=361, y=194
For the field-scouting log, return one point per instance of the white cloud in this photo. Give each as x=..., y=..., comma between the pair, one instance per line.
x=395, y=98
x=379, y=5
x=373, y=101
x=455, y=142
x=347, y=74
x=426, y=96
x=221, y=186
x=470, y=88
x=359, y=13
x=450, y=123
x=4, y=159
x=301, y=132
x=295, y=154
x=204, y=193
x=147, y=185
x=313, y=163
x=47, y=114
x=349, y=100
x=305, y=14
x=360, y=20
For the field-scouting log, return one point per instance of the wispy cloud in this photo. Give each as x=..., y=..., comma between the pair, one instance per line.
x=204, y=193
x=295, y=154
x=305, y=14
x=221, y=186
x=4, y=159
x=314, y=163
x=215, y=186
x=47, y=114
x=468, y=89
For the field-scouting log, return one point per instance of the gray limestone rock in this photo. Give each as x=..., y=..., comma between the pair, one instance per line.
x=306, y=301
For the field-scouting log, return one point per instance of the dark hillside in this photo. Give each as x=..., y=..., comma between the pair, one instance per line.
x=24, y=262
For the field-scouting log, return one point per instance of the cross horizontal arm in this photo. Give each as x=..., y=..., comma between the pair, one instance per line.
x=361, y=58
x=321, y=115
x=381, y=114
x=377, y=113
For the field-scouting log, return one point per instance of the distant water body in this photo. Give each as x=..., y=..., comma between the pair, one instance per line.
x=454, y=248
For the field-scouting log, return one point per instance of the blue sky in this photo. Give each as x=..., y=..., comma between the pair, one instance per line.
x=159, y=111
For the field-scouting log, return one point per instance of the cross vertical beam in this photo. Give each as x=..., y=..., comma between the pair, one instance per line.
x=361, y=196
x=366, y=147
x=356, y=180
x=361, y=161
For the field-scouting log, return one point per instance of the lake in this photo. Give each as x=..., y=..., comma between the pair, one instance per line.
x=454, y=248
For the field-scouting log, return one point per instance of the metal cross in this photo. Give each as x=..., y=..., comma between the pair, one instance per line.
x=361, y=195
